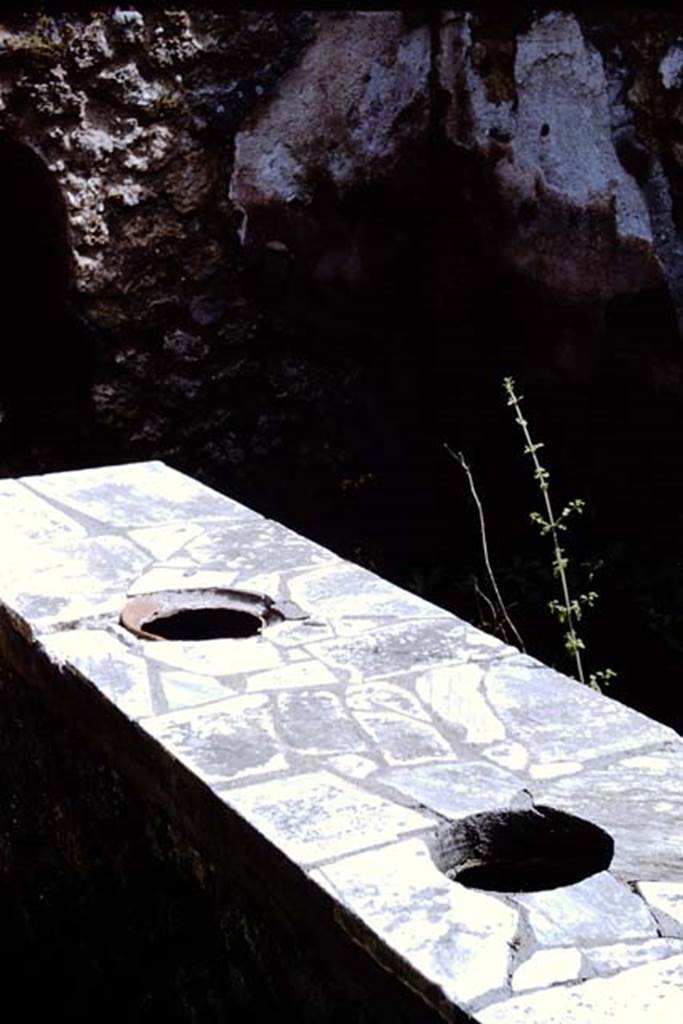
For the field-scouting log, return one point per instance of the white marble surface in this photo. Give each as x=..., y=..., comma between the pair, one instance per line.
x=348, y=737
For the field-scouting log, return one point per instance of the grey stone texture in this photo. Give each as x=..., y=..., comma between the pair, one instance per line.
x=343, y=740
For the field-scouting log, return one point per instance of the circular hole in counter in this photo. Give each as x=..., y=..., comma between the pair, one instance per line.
x=521, y=851
x=204, y=624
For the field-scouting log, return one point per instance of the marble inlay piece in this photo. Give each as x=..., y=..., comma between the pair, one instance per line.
x=215, y=657
x=28, y=519
x=507, y=754
x=621, y=955
x=242, y=546
x=404, y=740
x=598, y=909
x=555, y=769
x=185, y=690
x=100, y=657
x=535, y=706
x=347, y=590
x=70, y=579
x=640, y=808
x=316, y=722
x=456, y=789
x=228, y=739
x=353, y=765
x=666, y=900
x=454, y=694
x=137, y=494
x=547, y=967
x=318, y=815
x=397, y=723
x=395, y=649
x=457, y=937
x=164, y=541
x=653, y=992
x=301, y=675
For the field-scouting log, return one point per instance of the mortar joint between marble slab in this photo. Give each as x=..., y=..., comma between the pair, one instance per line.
x=94, y=527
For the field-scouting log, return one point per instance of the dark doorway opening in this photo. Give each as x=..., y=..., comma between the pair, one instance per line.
x=47, y=347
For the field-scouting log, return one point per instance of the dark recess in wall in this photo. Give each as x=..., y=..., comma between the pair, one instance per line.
x=48, y=351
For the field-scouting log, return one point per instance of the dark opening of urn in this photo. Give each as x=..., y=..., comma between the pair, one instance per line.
x=521, y=851
x=204, y=624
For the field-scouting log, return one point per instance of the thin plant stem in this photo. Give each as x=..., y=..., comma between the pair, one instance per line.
x=560, y=561
x=459, y=457
x=483, y=596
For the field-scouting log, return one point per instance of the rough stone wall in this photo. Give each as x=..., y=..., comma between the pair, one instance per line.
x=133, y=113
x=564, y=132
x=568, y=152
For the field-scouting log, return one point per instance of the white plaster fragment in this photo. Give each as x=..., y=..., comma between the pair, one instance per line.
x=561, y=82
x=554, y=769
x=364, y=98
x=547, y=967
x=651, y=763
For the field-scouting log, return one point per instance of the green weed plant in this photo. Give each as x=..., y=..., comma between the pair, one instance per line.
x=568, y=610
